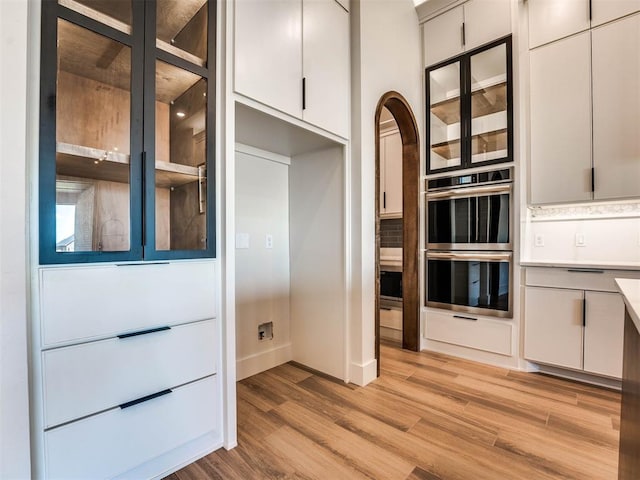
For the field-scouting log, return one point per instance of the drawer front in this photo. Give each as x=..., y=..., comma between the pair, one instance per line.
x=113, y=442
x=84, y=379
x=482, y=334
x=391, y=319
x=88, y=303
x=577, y=278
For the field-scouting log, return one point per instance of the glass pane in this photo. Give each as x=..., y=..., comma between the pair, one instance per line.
x=444, y=96
x=181, y=152
x=489, y=105
x=115, y=13
x=93, y=112
x=182, y=29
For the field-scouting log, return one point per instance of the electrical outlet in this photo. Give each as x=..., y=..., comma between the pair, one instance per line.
x=581, y=240
x=268, y=241
x=265, y=331
x=539, y=240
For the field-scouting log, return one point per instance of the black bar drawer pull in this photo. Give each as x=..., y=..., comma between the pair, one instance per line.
x=583, y=270
x=466, y=318
x=144, y=332
x=145, y=399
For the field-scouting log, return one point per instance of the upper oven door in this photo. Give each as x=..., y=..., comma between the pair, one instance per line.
x=474, y=218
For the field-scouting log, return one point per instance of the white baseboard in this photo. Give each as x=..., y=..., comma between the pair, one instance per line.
x=259, y=362
x=363, y=374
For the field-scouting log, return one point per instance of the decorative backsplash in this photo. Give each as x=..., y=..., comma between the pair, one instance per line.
x=587, y=211
x=391, y=233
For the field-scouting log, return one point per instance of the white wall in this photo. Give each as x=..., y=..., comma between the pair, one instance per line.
x=383, y=59
x=318, y=309
x=14, y=400
x=262, y=274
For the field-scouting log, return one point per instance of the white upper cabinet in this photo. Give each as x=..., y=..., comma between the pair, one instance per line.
x=391, y=174
x=268, y=53
x=325, y=48
x=616, y=108
x=560, y=169
x=550, y=20
x=464, y=28
x=282, y=45
x=603, y=11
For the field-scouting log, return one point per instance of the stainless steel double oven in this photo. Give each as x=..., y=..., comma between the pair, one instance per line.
x=469, y=231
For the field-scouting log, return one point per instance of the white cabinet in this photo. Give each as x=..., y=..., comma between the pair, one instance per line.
x=561, y=121
x=585, y=108
x=293, y=56
x=391, y=174
x=550, y=20
x=464, y=28
x=580, y=328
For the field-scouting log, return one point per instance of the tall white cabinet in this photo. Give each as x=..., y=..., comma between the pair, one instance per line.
x=294, y=57
x=585, y=108
x=391, y=174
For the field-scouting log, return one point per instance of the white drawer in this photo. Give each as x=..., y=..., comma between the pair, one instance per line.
x=482, y=334
x=86, y=303
x=113, y=442
x=391, y=319
x=84, y=379
x=577, y=278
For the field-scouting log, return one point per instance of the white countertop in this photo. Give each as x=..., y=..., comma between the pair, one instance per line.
x=582, y=264
x=630, y=290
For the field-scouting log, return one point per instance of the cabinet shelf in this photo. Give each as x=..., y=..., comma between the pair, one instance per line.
x=493, y=141
x=484, y=101
x=87, y=162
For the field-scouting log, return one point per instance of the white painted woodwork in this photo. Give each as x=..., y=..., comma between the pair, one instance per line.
x=391, y=174
x=606, y=10
x=115, y=441
x=553, y=326
x=604, y=334
x=486, y=21
x=391, y=319
x=583, y=279
x=551, y=20
x=83, y=303
x=268, y=53
x=326, y=67
x=317, y=243
x=442, y=36
x=616, y=108
x=560, y=167
x=482, y=334
x=84, y=379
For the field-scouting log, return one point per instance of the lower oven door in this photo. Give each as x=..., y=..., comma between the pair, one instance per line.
x=478, y=282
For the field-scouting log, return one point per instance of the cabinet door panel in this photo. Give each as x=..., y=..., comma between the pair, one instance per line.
x=561, y=121
x=268, y=53
x=485, y=21
x=604, y=334
x=443, y=36
x=553, y=326
x=616, y=108
x=326, y=65
x=393, y=173
x=550, y=20
x=606, y=10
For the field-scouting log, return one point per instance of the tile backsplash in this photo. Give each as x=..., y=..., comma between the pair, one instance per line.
x=391, y=233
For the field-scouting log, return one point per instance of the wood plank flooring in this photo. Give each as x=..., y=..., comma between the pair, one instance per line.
x=427, y=417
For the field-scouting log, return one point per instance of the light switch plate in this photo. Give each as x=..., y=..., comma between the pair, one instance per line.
x=581, y=240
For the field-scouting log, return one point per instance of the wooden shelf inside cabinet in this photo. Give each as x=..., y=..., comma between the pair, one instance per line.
x=87, y=162
x=448, y=150
x=495, y=140
x=484, y=101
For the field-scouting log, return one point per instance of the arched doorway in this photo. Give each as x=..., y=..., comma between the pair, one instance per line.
x=396, y=104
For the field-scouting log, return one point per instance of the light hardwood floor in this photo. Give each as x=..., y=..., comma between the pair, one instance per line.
x=427, y=417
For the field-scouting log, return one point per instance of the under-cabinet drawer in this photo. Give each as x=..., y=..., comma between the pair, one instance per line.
x=577, y=278
x=86, y=303
x=469, y=331
x=115, y=441
x=391, y=319
x=84, y=379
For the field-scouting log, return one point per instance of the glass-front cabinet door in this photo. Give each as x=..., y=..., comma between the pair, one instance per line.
x=126, y=130
x=469, y=108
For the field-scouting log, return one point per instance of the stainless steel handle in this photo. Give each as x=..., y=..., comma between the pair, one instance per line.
x=471, y=191
x=584, y=270
x=465, y=318
x=490, y=256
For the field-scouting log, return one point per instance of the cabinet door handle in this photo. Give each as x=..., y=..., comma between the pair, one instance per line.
x=593, y=179
x=584, y=270
x=144, y=332
x=384, y=200
x=590, y=10
x=584, y=311
x=144, y=206
x=304, y=93
x=463, y=34
x=144, y=399
x=466, y=318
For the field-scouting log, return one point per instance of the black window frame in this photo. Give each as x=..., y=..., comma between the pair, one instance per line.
x=144, y=55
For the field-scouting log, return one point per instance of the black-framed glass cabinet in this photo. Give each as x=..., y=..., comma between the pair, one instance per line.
x=127, y=130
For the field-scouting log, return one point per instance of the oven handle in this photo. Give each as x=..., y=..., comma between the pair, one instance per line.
x=490, y=256
x=471, y=191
